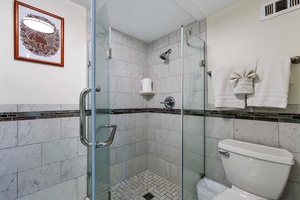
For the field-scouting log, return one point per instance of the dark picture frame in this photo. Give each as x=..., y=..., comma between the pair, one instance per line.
x=38, y=46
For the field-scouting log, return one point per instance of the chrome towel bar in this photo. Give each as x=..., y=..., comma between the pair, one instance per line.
x=294, y=60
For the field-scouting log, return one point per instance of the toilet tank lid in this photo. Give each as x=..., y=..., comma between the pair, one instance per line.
x=258, y=151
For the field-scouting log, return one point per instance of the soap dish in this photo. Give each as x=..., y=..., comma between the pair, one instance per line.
x=147, y=93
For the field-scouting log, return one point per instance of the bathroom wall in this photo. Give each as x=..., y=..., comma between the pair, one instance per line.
x=270, y=133
x=40, y=152
x=33, y=83
x=236, y=35
x=126, y=69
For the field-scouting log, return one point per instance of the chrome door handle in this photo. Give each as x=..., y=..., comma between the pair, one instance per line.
x=82, y=116
x=111, y=137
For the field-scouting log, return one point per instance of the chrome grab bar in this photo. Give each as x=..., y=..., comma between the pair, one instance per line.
x=82, y=124
x=82, y=116
x=111, y=137
x=224, y=153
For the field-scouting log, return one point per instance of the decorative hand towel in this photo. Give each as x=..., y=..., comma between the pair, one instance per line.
x=242, y=80
x=223, y=90
x=271, y=84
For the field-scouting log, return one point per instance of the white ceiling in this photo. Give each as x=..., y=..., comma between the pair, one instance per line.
x=149, y=20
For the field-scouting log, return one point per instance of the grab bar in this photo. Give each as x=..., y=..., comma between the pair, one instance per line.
x=82, y=129
x=82, y=116
x=111, y=137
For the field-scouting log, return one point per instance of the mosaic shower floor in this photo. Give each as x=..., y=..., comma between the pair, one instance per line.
x=145, y=186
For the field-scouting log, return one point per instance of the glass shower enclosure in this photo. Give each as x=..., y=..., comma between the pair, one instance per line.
x=100, y=132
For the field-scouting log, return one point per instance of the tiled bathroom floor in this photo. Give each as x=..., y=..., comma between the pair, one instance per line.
x=146, y=184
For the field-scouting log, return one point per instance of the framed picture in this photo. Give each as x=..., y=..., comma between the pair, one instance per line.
x=39, y=35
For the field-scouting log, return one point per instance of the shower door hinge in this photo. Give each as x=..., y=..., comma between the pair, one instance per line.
x=88, y=63
x=203, y=63
x=109, y=53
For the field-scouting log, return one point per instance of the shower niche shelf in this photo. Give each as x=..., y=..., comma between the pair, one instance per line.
x=147, y=93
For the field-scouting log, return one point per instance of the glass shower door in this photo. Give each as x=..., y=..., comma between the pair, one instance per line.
x=100, y=131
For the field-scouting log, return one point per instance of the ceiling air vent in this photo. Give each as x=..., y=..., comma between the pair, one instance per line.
x=275, y=8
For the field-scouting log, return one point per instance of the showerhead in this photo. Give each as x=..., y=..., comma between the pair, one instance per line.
x=165, y=56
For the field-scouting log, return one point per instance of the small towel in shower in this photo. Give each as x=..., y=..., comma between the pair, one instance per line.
x=271, y=85
x=242, y=80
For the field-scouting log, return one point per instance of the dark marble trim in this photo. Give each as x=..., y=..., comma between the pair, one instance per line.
x=246, y=115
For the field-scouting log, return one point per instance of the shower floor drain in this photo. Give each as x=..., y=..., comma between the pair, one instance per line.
x=148, y=196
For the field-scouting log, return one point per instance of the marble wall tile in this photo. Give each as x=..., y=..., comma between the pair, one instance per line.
x=117, y=67
x=215, y=170
x=171, y=122
x=69, y=127
x=171, y=154
x=37, y=107
x=135, y=135
x=175, y=172
x=258, y=132
x=141, y=148
x=8, y=187
x=193, y=124
x=140, y=119
x=81, y=187
x=175, y=36
x=120, y=139
x=59, y=150
x=8, y=108
x=63, y=191
x=211, y=147
x=175, y=67
x=161, y=42
x=219, y=127
x=118, y=173
x=193, y=162
x=19, y=159
x=35, y=131
x=134, y=71
x=193, y=143
x=8, y=134
x=159, y=166
x=117, y=100
x=69, y=106
x=36, y=179
x=190, y=180
x=153, y=58
x=134, y=101
x=141, y=58
x=154, y=120
x=175, y=139
x=73, y=168
x=82, y=150
x=292, y=191
x=295, y=172
x=137, y=165
x=289, y=136
x=121, y=153
x=161, y=71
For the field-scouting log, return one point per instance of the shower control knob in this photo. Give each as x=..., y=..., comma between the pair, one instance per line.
x=169, y=102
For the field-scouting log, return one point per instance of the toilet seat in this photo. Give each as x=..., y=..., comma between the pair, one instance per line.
x=231, y=194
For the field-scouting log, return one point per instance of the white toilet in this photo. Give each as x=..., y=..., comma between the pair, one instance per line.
x=255, y=171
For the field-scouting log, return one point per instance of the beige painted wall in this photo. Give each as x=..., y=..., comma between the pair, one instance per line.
x=33, y=83
x=236, y=35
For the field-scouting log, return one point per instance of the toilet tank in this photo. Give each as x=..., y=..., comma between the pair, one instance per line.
x=257, y=169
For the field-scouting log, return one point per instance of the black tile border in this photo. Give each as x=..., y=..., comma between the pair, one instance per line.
x=258, y=116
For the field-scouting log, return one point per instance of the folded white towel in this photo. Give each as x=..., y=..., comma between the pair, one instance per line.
x=242, y=80
x=223, y=90
x=271, y=84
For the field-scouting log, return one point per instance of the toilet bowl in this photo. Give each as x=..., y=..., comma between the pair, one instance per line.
x=255, y=171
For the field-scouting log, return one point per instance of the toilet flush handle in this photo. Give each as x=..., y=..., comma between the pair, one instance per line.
x=224, y=153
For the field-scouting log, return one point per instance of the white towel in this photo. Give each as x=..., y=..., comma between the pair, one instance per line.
x=223, y=90
x=271, y=84
x=243, y=80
